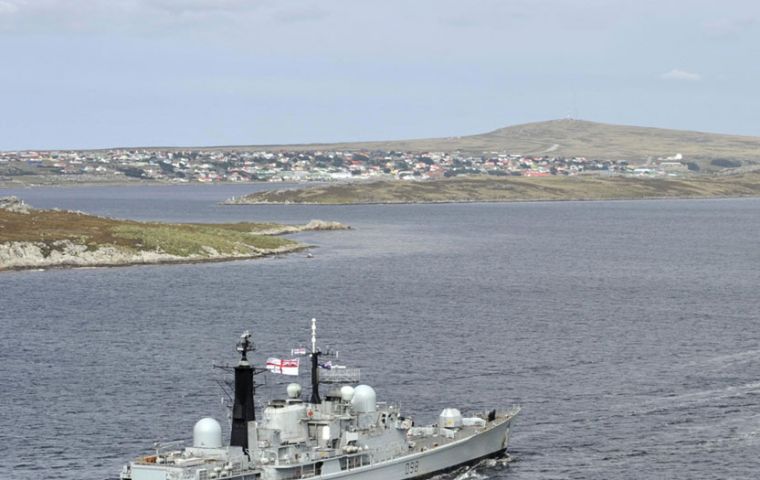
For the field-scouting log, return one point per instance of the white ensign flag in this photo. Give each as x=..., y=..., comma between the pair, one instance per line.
x=283, y=366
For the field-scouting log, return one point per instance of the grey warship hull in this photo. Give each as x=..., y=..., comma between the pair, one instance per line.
x=434, y=455
x=347, y=435
x=466, y=451
x=429, y=456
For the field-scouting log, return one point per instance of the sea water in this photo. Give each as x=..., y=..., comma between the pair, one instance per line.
x=627, y=331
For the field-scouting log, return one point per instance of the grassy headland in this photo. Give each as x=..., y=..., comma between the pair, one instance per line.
x=51, y=238
x=505, y=189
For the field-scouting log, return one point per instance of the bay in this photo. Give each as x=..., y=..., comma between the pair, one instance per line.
x=628, y=331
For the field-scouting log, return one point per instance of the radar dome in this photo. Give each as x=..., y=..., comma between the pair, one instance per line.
x=346, y=393
x=294, y=390
x=207, y=433
x=450, y=418
x=364, y=399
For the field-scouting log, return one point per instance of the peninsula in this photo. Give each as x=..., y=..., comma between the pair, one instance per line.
x=508, y=189
x=31, y=239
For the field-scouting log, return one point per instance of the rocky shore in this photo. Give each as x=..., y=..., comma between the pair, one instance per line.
x=40, y=239
x=37, y=255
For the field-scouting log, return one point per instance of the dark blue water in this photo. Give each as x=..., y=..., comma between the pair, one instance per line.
x=628, y=331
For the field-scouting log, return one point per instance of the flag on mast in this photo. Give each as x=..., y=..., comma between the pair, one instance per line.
x=283, y=366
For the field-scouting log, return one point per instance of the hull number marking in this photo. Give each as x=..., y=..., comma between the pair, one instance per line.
x=412, y=467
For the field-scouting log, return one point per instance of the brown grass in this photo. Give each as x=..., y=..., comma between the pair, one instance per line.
x=572, y=138
x=496, y=189
x=48, y=226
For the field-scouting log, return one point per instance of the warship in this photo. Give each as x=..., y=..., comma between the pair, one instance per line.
x=347, y=434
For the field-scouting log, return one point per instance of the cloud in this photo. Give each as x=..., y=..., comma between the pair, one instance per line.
x=728, y=27
x=307, y=13
x=139, y=16
x=38, y=7
x=185, y=6
x=7, y=7
x=681, y=75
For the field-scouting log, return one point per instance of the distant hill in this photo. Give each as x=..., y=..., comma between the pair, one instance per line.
x=577, y=138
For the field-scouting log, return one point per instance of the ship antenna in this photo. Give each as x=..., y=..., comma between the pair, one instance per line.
x=313, y=334
x=244, y=346
x=314, y=364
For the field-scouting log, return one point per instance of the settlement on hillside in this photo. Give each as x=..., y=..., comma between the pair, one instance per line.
x=209, y=166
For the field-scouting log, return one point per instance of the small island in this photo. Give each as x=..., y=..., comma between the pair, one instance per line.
x=513, y=189
x=33, y=239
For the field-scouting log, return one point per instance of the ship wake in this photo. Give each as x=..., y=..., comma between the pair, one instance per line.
x=482, y=470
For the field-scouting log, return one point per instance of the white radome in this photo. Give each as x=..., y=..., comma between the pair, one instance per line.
x=450, y=418
x=347, y=393
x=364, y=399
x=207, y=433
x=294, y=390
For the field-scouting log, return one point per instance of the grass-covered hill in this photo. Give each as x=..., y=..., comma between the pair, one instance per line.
x=569, y=138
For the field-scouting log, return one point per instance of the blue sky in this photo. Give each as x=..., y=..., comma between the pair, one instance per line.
x=90, y=73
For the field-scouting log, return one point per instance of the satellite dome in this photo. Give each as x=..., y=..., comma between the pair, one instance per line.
x=450, y=418
x=364, y=399
x=347, y=393
x=294, y=390
x=207, y=433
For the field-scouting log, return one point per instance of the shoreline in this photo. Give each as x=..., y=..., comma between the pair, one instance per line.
x=481, y=189
x=32, y=239
x=159, y=261
x=525, y=200
x=136, y=183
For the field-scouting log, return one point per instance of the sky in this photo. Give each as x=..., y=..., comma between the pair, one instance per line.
x=110, y=73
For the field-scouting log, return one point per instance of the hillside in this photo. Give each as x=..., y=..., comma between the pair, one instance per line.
x=556, y=139
x=505, y=189
x=573, y=138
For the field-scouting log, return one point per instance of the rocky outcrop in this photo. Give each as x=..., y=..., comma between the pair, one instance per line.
x=312, y=226
x=14, y=204
x=65, y=253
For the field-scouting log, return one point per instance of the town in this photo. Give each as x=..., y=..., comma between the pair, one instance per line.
x=223, y=165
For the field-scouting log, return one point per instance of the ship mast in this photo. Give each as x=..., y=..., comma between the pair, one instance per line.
x=242, y=408
x=314, y=364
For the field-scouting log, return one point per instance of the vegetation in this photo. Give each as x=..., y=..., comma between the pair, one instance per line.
x=51, y=231
x=186, y=240
x=502, y=189
x=578, y=138
x=49, y=226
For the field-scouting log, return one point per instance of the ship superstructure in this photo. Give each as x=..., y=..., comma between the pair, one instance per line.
x=346, y=435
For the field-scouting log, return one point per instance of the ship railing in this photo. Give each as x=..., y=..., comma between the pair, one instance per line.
x=340, y=375
x=347, y=463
